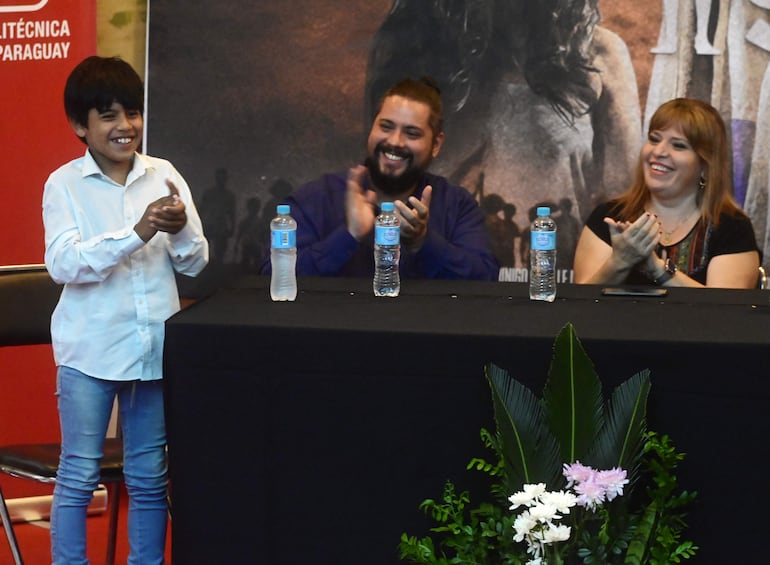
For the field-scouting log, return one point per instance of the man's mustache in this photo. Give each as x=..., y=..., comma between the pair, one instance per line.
x=402, y=152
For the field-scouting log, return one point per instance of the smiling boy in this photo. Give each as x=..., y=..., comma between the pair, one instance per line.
x=118, y=225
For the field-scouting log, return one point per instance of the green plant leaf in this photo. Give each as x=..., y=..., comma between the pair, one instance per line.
x=637, y=548
x=573, y=399
x=621, y=439
x=529, y=450
x=533, y=438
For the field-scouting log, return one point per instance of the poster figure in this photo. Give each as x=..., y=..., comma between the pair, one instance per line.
x=757, y=200
x=218, y=215
x=503, y=230
x=541, y=102
x=669, y=28
x=249, y=244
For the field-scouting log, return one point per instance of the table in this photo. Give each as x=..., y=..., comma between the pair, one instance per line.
x=307, y=433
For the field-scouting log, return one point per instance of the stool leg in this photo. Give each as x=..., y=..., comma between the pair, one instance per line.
x=170, y=508
x=113, y=494
x=9, y=533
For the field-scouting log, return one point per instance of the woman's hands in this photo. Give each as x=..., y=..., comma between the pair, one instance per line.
x=634, y=242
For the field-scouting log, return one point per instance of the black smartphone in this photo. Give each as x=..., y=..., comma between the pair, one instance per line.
x=635, y=291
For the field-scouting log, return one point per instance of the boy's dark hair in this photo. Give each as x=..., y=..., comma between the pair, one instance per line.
x=98, y=82
x=423, y=90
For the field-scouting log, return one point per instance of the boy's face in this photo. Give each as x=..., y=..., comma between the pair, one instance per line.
x=113, y=137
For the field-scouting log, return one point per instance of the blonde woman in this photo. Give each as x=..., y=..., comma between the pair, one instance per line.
x=677, y=225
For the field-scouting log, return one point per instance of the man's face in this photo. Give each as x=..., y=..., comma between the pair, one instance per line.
x=401, y=145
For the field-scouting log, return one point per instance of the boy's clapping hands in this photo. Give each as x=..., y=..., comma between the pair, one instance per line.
x=166, y=214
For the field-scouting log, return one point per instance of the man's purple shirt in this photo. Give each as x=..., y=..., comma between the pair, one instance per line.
x=456, y=246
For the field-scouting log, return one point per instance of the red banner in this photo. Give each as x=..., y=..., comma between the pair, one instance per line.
x=40, y=42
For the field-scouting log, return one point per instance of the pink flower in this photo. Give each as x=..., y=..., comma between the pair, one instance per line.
x=613, y=481
x=538, y=525
x=590, y=493
x=577, y=473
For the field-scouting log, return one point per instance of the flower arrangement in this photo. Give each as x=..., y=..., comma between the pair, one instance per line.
x=621, y=507
x=537, y=525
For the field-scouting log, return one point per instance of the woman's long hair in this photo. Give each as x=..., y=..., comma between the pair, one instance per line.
x=704, y=129
x=552, y=42
x=466, y=45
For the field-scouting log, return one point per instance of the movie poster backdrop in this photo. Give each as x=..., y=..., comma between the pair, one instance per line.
x=252, y=99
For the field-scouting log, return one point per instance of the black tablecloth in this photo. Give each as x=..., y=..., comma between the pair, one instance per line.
x=309, y=432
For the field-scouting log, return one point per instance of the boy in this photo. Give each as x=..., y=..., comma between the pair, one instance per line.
x=117, y=226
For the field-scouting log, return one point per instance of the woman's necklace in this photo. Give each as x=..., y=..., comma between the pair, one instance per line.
x=667, y=236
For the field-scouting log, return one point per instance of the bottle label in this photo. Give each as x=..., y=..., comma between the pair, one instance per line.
x=543, y=240
x=283, y=239
x=387, y=235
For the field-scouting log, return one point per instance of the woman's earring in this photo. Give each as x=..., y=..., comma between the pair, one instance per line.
x=702, y=182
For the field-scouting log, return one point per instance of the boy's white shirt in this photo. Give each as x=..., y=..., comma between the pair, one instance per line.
x=119, y=290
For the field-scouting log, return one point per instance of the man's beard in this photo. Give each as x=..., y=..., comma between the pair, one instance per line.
x=393, y=185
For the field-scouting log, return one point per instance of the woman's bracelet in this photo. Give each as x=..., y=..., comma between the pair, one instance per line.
x=669, y=270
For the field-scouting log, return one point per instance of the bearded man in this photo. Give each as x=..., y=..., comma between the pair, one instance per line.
x=442, y=227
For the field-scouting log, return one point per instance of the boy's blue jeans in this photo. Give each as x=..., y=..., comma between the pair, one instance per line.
x=85, y=405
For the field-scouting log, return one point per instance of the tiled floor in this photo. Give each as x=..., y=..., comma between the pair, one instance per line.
x=35, y=546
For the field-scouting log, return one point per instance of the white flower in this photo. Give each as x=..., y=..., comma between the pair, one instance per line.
x=562, y=500
x=544, y=512
x=527, y=496
x=557, y=533
x=537, y=524
x=523, y=525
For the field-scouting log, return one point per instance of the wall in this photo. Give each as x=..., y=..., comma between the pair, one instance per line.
x=27, y=374
x=121, y=30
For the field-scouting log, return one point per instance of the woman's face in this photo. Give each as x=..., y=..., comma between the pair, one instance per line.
x=671, y=167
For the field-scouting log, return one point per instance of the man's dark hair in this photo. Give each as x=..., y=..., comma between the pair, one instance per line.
x=98, y=82
x=424, y=90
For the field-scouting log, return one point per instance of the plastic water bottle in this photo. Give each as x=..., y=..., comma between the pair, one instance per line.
x=283, y=255
x=387, y=251
x=542, y=257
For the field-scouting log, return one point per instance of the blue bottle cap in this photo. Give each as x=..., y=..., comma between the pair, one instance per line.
x=387, y=207
x=283, y=209
x=543, y=211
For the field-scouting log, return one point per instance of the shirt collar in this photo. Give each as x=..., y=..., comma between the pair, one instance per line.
x=139, y=167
